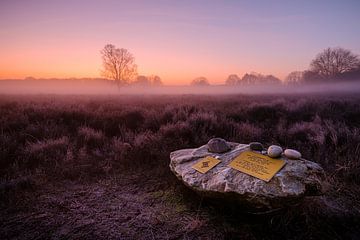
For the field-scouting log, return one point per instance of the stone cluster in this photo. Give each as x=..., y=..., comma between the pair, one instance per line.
x=275, y=151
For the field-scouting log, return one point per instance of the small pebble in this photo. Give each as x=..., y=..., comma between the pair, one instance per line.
x=256, y=146
x=274, y=151
x=292, y=154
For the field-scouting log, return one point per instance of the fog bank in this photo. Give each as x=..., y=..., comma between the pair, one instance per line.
x=108, y=88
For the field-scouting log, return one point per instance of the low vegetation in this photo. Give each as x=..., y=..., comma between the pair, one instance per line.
x=97, y=167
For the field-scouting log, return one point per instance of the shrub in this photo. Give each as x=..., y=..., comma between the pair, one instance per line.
x=97, y=131
x=49, y=152
x=132, y=119
x=90, y=137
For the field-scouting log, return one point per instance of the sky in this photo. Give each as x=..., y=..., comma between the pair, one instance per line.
x=177, y=40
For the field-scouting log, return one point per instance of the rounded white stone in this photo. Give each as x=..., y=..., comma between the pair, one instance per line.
x=292, y=154
x=274, y=151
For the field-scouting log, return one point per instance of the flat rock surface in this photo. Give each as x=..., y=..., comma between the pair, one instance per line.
x=297, y=179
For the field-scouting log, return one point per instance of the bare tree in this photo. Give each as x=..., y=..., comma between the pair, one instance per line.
x=270, y=79
x=200, y=81
x=142, y=81
x=232, y=79
x=295, y=77
x=334, y=61
x=147, y=81
x=155, y=80
x=258, y=79
x=250, y=79
x=118, y=64
x=311, y=77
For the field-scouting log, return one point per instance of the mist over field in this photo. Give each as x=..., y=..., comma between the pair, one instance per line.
x=96, y=87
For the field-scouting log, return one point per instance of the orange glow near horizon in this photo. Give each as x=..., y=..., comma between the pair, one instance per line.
x=177, y=41
x=67, y=63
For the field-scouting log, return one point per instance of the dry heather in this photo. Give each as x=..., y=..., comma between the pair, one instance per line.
x=97, y=167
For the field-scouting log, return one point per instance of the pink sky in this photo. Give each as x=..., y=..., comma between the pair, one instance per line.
x=177, y=40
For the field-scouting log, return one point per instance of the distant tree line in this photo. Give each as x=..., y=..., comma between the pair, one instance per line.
x=235, y=80
x=200, y=81
x=332, y=64
x=252, y=79
x=147, y=81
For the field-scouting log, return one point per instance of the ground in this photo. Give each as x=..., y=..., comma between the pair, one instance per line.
x=85, y=167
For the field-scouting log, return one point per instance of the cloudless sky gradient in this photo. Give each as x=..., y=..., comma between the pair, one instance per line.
x=177, y=40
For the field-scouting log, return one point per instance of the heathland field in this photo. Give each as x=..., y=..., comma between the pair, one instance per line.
x=96, y=167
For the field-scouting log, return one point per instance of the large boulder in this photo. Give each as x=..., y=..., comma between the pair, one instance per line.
x=297, y=179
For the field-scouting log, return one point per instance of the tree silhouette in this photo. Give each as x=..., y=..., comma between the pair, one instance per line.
x=118, y=64
x=200, y=81
x=334, y=61
x=295, y=77
x=249, y=79
x=142, y=81
x=147, y=81
x=232, y=79
x=258, y=79
x=155, y=80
